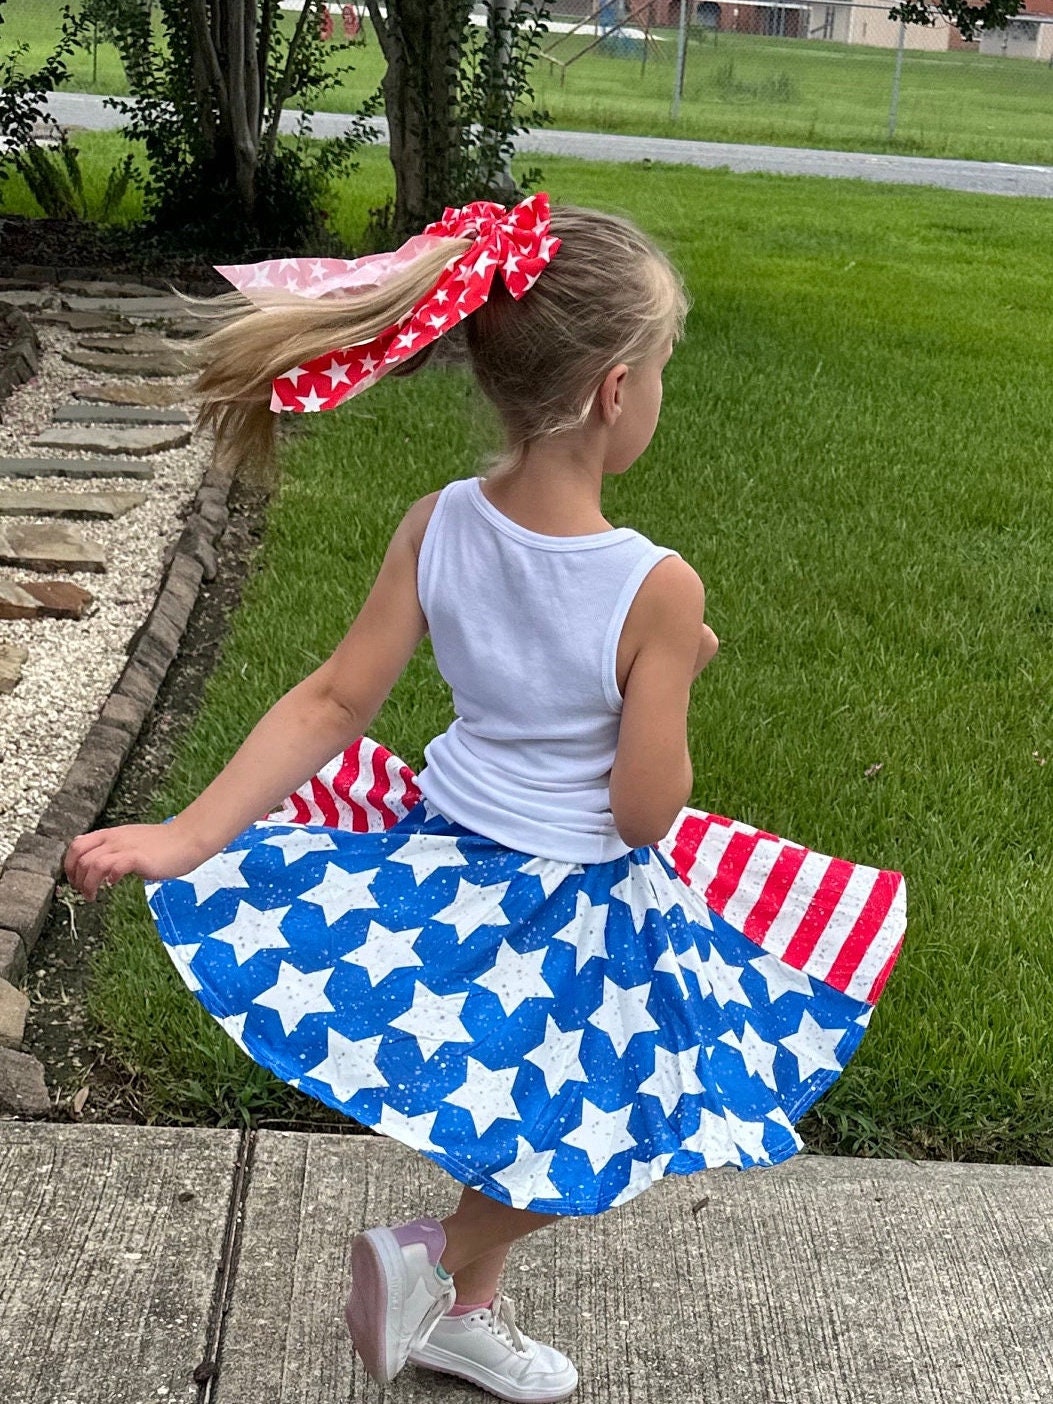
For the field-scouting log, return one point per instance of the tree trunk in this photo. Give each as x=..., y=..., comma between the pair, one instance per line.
x=422, y=42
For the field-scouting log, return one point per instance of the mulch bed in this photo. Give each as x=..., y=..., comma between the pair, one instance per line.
x=83, y=247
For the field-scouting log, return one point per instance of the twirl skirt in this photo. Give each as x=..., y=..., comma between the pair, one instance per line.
x=558, y=1036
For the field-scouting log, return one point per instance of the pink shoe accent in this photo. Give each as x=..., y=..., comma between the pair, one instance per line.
x=428, y=1231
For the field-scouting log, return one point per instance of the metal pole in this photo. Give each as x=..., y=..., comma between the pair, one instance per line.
x=681, y=59
x=894, y=104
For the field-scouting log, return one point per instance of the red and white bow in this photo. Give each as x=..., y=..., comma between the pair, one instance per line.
x=514, y=241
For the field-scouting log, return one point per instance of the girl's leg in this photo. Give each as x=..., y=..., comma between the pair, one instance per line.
x=478, y=1235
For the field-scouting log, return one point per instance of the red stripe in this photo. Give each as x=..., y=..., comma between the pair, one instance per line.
x=729, y=870
x=411, y=794
x=875, y=910
x=380, y=786
x=303, y=813
x=324, y=800
x=886, y=971
x=773, y=894
x=819, y=911
x=689, y=840
x=345, y=780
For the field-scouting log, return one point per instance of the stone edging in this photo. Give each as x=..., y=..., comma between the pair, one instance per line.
x=33, y=869
x=20, y=359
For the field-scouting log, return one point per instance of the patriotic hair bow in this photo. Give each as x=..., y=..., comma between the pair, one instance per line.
x=515, y=241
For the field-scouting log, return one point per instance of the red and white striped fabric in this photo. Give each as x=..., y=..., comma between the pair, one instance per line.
x=841, y=922
x=365, y=790
x=838, y=921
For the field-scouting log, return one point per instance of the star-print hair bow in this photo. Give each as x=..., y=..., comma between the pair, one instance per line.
x=515, y=241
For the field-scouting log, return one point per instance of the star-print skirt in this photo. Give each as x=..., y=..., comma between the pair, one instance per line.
x=557, y=1035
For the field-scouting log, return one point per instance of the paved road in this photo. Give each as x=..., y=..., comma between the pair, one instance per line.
x=129, y=1255
x=983, y=177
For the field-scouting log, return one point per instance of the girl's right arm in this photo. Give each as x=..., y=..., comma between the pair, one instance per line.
x=651, y=777
x=315, y=720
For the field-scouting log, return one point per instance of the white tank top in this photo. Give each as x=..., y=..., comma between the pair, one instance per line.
x=525, y=630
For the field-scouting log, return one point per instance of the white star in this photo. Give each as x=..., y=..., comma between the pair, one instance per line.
x=252, y=931
x=428, y=854
x=585, y=931
x=635, y=891
x=781, y=977
x=813, y=1046
x=757, y=1055
x=181, y=958
x=601, y=1135
x=293, y=376
x=312, y=402
x=483, y=262
x=261, y=276
x=641, y=1177
x=234, y=1025
x=515, y=976
x=714, y=1140
x=224, y=870
x=317, y=269
x=747, y=1135
x=433, y=1019
x=284, y=263
x=300, y=841
x=669, y=965
x=337, y=373
x=779, y=1116
x=405, y=340
x=369, y=365
x=415, y=1130
x=440, y=295
x=475, y=905
x=622, y=1013
x=722, y=979
x=527, y=1178
x=384, y=951
x=550, y=872
x=486, y=1095
x=674, y=1077
x=541, y=226
x=546, y=245
x=511, y=263
x=341, y=892
x=297, y=993
x=557, y=1055
x=437, y=320
x=349, y=1066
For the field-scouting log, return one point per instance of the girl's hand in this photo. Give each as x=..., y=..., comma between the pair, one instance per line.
x=104, y=856
x=707, y=649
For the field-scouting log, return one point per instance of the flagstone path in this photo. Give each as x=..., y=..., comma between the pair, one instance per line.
x=81, y=552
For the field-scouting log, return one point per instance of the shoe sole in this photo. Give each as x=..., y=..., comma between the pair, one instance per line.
x=374, y=1270
x=435, y=1358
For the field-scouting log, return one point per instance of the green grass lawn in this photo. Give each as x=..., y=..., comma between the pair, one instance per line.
x=853, y=452
x=748, y=88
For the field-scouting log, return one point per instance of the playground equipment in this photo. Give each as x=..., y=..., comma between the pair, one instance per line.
x=618, y=28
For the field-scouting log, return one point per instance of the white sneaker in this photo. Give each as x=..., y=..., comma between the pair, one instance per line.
x=396, y=1294
x=486, y=1347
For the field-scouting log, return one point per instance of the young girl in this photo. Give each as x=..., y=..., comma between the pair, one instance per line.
x=530, y=962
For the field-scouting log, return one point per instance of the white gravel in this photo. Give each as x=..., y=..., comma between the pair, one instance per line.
x=74, y=663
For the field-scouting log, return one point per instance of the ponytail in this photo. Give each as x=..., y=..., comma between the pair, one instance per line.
x=236, y=364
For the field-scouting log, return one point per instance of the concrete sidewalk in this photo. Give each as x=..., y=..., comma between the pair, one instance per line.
x=980, y=177
x=131, y=1255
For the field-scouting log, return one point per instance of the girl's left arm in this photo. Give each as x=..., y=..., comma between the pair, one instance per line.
x=315, y=720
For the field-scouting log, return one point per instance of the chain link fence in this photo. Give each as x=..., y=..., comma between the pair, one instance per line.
x=802, y=72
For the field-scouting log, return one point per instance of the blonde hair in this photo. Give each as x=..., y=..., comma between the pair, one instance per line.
x=609, y=295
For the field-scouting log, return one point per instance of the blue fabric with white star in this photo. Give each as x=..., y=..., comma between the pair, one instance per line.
x=558, y=1036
